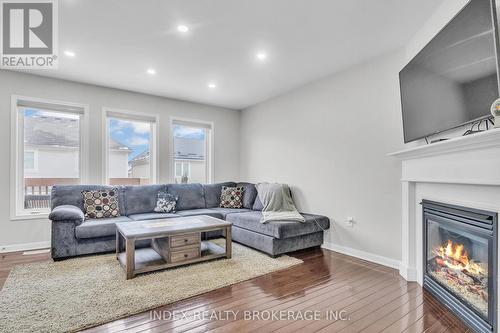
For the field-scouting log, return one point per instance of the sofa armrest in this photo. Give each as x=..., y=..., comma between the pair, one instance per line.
x=67, y=213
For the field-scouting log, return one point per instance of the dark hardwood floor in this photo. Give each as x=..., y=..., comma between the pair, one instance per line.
x=371, y=297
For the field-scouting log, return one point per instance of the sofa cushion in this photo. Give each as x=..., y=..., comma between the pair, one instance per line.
x=140, y=198
x=212, y=193
x=204, y=211
x=249, y=194
x=285, y=229
x=94, y=228
x=190, y=196
x=151, y=216
x=225, y=211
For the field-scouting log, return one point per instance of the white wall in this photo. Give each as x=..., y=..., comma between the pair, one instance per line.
x=329, y=141
x=226, y=136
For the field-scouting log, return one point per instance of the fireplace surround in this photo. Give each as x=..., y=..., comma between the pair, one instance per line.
x=460, y=261
x=462, y=171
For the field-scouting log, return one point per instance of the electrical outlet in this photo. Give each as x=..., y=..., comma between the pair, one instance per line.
x=349, y=222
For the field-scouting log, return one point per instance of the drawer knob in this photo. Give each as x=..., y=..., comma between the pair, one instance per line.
x=185, y=241
x=185, y=255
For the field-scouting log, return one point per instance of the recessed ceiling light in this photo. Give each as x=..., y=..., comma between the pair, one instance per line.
x=182, y=28
x=151, y=71
x=212, y=85
x=69, y=53
x=261, y=56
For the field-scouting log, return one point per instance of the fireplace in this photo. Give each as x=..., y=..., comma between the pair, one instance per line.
x=460, y=261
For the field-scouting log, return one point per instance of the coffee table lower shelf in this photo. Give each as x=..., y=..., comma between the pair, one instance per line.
x=148, y=260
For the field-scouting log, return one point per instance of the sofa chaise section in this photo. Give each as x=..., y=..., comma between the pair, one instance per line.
x=278, y=237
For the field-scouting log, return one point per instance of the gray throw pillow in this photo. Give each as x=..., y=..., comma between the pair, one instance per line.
x=249, y=194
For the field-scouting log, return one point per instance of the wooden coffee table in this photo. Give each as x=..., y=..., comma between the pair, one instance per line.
x=174, y=242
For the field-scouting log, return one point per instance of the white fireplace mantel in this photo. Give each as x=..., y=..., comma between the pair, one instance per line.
x=473, y=159
x=463, y=171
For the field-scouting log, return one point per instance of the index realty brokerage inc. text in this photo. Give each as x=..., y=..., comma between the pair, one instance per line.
x=308, y=315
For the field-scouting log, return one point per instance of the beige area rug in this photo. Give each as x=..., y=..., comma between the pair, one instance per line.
x=77, y=293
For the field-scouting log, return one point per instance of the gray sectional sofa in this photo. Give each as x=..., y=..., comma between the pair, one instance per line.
x=73, y=235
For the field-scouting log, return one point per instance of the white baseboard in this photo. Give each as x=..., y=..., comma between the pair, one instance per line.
x=408, y=273
x=24, y=247
x=384, y=261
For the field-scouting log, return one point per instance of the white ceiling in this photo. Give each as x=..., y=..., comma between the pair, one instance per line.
x=116, y=41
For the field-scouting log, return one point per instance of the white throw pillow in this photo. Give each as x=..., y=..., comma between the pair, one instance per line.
x=166, y=203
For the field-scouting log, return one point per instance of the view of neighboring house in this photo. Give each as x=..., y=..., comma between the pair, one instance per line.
x=118, y=156
x=139, y=167
x=51, y=147
x=51, y=154
x=189, y=160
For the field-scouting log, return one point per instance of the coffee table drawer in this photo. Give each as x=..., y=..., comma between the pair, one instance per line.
x=186, y=239
x=183, y=255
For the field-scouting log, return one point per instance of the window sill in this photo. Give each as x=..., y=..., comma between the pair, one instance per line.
x=27, y=217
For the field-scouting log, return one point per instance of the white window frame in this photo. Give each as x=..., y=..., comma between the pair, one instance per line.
x=17, y=210
x=209, y=148
x=129, y=115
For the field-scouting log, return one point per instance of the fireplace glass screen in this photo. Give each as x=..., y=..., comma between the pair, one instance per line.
x=458, y=260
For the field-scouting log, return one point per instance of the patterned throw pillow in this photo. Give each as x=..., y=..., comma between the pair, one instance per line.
x=101, y=203
x=165, y=203
x=231, y=197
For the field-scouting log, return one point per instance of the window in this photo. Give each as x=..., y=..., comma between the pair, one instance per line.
x=191, y=152
x=182, y=169
x=29, y=160
x=130, y=148
x=48, y=146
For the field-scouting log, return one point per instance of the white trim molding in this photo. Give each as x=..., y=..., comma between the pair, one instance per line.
x=24, y=247
x=468, y=160
x=483, y=140
x=381, y=260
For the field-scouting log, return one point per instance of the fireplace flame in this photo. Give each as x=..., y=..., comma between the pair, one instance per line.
x=454, y=256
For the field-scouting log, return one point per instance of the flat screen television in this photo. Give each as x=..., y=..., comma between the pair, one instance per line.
x=453, y=80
